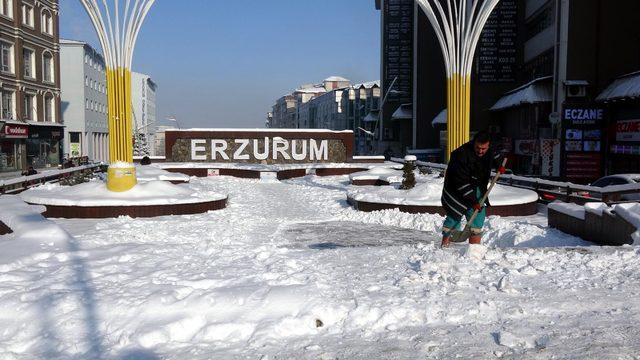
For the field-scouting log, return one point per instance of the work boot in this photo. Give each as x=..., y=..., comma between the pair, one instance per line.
x=475, y=239
x=446, y=241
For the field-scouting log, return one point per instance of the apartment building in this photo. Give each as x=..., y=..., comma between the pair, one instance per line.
x=32, y=132
x=84, y=101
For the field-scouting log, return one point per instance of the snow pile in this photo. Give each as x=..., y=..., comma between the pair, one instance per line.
x=631, y=213
x=428, y=192
x=596, y=208
x=152, y=173
x=389, y=175
x=32, y=233
x=95, y=193
x=571, y=209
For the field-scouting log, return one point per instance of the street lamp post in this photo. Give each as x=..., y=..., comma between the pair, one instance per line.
x=458, y=25
x=118, y=26
x=380, y=113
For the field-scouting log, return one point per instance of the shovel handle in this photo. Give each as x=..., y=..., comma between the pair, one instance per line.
x=484, y=198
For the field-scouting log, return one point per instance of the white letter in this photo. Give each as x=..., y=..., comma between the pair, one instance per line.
x=238, y=154
x=280, y=145
x=265, y=154
x=195, y=148
x=218, y=147
x=321, y=153
x=295, y=155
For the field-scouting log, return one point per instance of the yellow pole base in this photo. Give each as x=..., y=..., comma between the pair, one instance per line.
x=121, y=179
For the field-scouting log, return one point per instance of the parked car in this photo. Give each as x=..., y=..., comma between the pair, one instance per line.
x=617, y=179
x=610, y=180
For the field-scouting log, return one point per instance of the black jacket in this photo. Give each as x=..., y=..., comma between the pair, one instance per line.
x=466, y=172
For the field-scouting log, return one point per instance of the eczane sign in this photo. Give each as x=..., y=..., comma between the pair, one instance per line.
x=265, y=146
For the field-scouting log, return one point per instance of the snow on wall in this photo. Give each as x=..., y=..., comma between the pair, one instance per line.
x=571, y=209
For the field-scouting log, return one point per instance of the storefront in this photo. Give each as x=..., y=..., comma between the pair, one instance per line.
x=12, y=147
x=622, y=102
x=522, y=117
x=624, y=152
x=44, y=146
x=584, y=134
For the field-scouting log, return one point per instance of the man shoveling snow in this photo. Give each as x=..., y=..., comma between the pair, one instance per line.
x=465, y=184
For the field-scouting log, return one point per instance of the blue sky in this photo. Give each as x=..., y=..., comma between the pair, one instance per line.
x=224, y=63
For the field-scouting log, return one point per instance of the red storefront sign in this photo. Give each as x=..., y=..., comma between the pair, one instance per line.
x=628, y=130
x=16, y=131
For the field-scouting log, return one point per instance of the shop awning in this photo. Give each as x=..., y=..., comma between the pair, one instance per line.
x=441, y=119
x=404, y=112
x=625, y=87
x=372, y=116
x=538, y=91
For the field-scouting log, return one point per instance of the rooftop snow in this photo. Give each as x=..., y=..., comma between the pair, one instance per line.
x=627, y=86
x=537, y=91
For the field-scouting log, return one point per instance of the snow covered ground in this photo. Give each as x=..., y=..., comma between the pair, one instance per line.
x=289, y=270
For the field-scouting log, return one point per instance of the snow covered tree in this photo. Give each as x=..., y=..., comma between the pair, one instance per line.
x=409, y=177
x=141, y=145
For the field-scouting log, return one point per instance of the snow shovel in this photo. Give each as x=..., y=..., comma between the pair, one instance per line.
x=458, y=236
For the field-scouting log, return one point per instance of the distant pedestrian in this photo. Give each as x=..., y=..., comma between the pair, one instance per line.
x=465, y=183
x=30, y=171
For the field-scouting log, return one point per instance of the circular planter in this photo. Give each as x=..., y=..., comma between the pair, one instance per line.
x=527, y=209
x=146, y=199
x=134, y=211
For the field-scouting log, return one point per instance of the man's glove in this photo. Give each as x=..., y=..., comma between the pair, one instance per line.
x=502, y=170
x=477, y=207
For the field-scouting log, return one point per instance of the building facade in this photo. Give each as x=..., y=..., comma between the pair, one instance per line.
x=84, y=101
x=143, y=93
x=361, y=105
x=559, y=124
x=538, y=83
x=30, y=85
x=293, y=111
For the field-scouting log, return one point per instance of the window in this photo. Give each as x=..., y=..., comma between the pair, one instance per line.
x=86, y=81
x=47, y=22
x=86, y=59
x=7, y=105
x=6, y=57
x=47, y=65
x=27, y=15
x=49, y=108
x=29, y=65
x=6, y=8
x=86, y=104
x=29, y=107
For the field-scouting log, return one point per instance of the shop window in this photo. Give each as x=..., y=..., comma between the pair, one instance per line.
x=75, y=144
x=8, y=155
x=43, y=152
